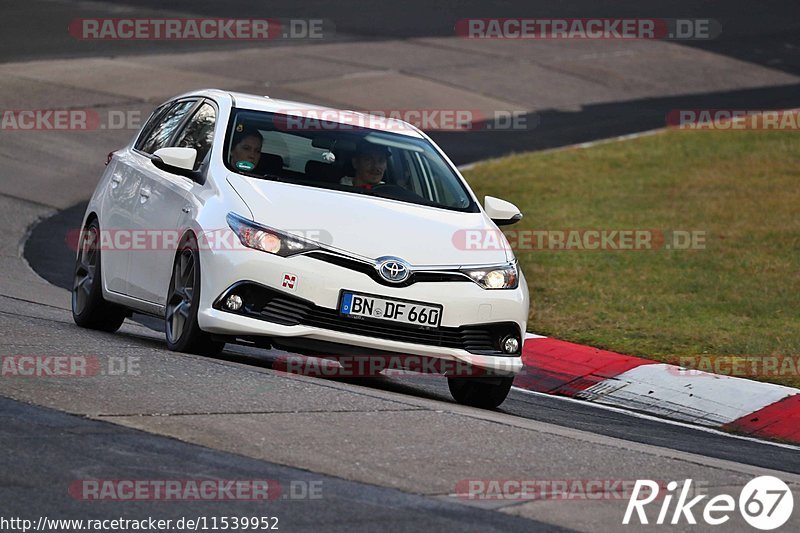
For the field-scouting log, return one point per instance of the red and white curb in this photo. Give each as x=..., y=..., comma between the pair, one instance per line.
x=750, y=407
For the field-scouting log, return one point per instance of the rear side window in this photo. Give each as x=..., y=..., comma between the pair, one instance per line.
x=164, y=126
x=199, y=132
x=155, y=118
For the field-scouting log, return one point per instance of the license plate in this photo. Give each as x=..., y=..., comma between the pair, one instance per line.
x=357, y=305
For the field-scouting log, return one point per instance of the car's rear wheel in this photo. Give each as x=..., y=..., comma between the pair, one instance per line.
x=89, y=309
x=180, y=320
x=486, y=393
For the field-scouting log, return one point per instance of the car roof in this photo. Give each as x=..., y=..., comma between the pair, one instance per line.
x=329, y=114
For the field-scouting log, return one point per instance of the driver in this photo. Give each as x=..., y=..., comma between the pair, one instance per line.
x=369, y=162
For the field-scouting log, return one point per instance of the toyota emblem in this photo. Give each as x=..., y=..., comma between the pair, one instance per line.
x=393, y=269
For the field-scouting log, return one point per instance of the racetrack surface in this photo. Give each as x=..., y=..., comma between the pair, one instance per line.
x=51, y=447
x=389, y=452
x=391, y=433
x=49, y=259
x=765, y=33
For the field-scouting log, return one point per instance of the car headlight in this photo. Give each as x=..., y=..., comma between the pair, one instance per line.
x=505, y=277
x=267, y=239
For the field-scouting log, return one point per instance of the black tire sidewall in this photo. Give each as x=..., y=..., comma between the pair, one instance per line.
x=479, y=393
x=97, y=313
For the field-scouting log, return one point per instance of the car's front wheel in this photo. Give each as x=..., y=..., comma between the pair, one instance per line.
x=486, y=393
x=180, y=320
x=89, y=309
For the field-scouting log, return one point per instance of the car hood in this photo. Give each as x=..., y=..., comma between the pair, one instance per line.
x=371, y=227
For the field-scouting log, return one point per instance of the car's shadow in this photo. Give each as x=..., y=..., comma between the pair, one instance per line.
x=427, y=386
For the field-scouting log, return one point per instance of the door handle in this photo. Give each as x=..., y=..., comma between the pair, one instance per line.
x=144, y=194
x=115, y=181
x=186, y=209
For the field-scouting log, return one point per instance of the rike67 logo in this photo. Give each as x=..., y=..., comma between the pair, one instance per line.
x=765, y=503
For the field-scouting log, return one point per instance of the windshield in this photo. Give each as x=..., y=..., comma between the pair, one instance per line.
x=345, y=158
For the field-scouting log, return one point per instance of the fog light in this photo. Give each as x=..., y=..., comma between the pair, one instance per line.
x=510, y=344
x=233, y=302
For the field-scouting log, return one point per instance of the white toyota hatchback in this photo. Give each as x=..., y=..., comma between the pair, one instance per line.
x=240, y=218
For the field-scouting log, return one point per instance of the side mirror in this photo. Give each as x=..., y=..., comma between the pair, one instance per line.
x=176, y=160
x=501, y=212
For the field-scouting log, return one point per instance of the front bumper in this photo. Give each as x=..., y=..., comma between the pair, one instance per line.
x=318, y=284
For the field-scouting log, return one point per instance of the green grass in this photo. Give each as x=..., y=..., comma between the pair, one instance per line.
x=738, y=296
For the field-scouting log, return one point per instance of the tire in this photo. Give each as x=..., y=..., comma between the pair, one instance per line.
x=89, y=309
x=480, y=392
x=182, y=331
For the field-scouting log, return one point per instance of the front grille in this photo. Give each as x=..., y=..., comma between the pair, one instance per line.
x=274, y=306
x=369, y=270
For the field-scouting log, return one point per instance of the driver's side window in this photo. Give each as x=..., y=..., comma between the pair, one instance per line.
x=199, y=132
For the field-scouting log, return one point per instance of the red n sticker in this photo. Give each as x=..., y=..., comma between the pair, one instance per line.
x=289, y=281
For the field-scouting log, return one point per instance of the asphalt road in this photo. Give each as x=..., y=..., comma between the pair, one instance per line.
x=359, y=435
x=51, y=259
x=388, y=452
x=765, y=32
x=50, y=448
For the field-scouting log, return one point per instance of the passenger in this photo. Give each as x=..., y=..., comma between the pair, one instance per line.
x=369, y=162
x=246, y=150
